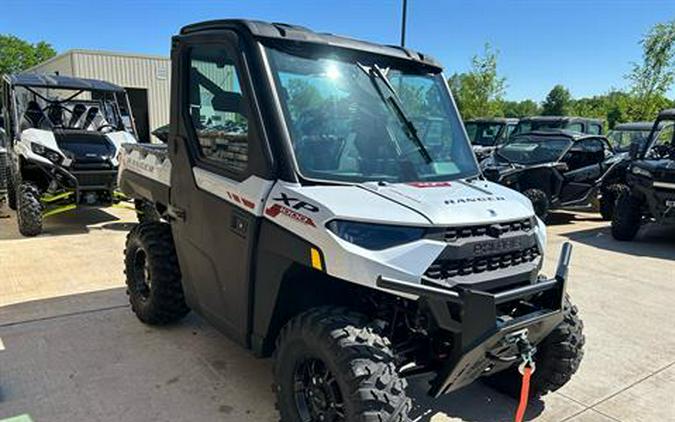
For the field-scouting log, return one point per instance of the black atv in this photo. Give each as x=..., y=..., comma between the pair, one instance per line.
x=558, y=169
x=651, y=179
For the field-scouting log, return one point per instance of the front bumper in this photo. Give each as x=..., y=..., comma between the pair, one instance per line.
x=482, y=336
x=80, y=181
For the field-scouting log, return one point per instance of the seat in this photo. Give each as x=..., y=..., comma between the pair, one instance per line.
x=33, y=117
x=78, y=112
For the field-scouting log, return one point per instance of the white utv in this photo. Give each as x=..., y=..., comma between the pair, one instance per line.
x=63, y=138
x=321, y=202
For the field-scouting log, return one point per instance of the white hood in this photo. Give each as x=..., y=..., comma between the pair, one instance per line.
x=458, y=203
x=444, y=203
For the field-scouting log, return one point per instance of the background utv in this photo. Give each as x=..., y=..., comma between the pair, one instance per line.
x=63, y=139
x=559, y=169
x=351, y=239
x=651, y=178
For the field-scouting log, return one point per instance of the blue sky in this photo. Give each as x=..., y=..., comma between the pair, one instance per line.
x=587, y=45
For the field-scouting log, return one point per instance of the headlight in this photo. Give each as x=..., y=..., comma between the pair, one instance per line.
x=49, y=154
x=374, y=236
x=641, y=172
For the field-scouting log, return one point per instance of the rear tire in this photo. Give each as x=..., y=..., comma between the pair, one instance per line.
x=558, y=357
x=29, y=212
x=330, y=362
x=627, y=217
x=610, y=196
x=539, y=202
x=153, y=276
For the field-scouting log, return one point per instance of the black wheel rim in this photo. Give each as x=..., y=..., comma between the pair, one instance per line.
x=141, y=274
x=317, y=395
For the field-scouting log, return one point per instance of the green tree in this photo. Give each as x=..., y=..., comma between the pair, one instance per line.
x=651, y=79
x=17, y=55
x=480, y=91
x=520, y=108
x=557, y=102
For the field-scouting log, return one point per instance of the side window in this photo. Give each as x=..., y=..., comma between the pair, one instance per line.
x=665, y=135
x=575, y=127
x=585, y=153
x=595, y=129
x=218, y=109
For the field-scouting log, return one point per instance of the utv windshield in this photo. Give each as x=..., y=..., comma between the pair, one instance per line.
x=484, y=134
x=354, y=123
x=531, y=149
x=543, y=125
x=621, y=139
x=49, y=109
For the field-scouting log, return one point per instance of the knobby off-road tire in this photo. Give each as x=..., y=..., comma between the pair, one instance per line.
x=627, y=217
x=610, y=196
x=539, y=202
x=353, y=364
x=11, y=191
x=557, y=359
x=146, y=211
x=152, y=275
x=29, y=210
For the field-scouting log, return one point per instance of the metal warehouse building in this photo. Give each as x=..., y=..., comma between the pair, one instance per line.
x=146, y=79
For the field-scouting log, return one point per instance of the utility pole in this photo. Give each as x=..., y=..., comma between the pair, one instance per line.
x=405, y=12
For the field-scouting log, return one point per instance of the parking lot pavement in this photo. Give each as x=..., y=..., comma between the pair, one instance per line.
x=71, y=350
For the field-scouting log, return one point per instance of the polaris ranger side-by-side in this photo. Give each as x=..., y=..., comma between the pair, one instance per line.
x=63, y=137
x=322, y=204
x=651, y=178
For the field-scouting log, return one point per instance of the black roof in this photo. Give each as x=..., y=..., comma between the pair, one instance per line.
x=37, y=80
x=492, y=120
x=574, y=136
x=667, y=114
x=559, y=119
x=283, y=31
x=634, y=126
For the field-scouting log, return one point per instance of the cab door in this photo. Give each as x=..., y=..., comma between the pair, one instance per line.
x=220, y=177
x=584, y=167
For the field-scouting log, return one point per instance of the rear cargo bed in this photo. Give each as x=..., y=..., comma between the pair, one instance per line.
x=145, y=172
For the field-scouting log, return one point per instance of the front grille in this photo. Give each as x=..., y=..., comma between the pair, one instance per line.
x=88, y=179
x=472, y=252
x=453, y=234
x=451, y=268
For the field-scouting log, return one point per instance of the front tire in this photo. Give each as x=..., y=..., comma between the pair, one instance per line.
x=610, y=196
x=627, y=217
x=539, y=201
x=152, y=275
x=11, y=191
x=29, y=210
x=558, y=357
x=146, y=211
x=332, y=365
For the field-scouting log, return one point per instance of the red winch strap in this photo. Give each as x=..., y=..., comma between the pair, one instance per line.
x=524, y=394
